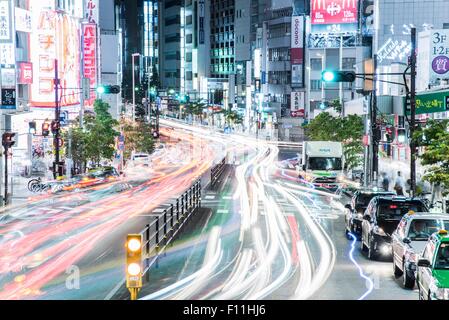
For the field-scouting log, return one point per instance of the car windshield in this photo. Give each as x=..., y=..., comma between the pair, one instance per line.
x=421, y=229
x=395, y=210
x=363, y=199
x=442, y=258
x=325, y=164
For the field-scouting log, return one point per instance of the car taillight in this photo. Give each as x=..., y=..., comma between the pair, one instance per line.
x=393, y=206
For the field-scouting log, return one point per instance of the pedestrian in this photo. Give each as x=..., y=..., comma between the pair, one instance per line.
x=399, y=184
x=385, y=181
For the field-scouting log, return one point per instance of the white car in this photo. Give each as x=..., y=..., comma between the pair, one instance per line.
x=410, y=239
x=141, y=159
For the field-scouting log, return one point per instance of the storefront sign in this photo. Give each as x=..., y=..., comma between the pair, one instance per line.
x=23, y=20
x=90, y=57
x=25, y=73
x=5, y=21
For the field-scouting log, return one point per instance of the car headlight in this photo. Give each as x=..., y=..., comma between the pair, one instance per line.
x=379, y=231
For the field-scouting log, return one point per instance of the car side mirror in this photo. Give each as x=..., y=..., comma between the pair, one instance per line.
x=367, y=218
x=407, y=240
x=424, y=263
x=348, y=206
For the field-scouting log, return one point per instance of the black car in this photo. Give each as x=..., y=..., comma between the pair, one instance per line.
x=381, y=219
x=355, y=210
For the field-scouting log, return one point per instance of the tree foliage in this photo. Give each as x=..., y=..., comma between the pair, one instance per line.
x=435, y=139
x=138, y=137
x=348, y=130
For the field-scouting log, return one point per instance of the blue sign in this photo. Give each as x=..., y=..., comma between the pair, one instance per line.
x=64, y=118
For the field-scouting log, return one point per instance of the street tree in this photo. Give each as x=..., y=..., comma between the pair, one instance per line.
x=101, y=133
x=348, y=130
x=138, y=137
x=434, y=139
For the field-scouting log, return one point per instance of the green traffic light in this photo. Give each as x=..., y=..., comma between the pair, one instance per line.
x=100, y=90
x=328, y=76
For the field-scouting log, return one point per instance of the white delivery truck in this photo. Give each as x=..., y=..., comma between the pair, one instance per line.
x=321, y=164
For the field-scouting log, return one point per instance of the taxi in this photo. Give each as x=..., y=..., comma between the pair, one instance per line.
x=432, y=276
x=409, y=240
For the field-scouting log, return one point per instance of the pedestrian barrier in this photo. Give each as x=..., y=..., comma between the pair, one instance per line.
x=165, y=225
x=217, y=171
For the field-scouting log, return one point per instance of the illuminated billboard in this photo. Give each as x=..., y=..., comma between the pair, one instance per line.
x=55, y=36
x=297, y=51
x=334, y=16
x=90, y=57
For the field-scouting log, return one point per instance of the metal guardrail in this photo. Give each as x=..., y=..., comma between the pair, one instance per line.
x=164, y=227
x=216, y=172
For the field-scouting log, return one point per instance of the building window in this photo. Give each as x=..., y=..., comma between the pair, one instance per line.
x=189, y=20
x=173, y=20
x=316, y=64
x=279, y=54
x=348, y=63
x=189, y=57
x=315, y=85
x=172, y=38
x=189, y=38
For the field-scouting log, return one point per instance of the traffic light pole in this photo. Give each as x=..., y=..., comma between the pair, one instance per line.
x=56, y=167
x=413, y=148
x=374, y=128
x=6, y=176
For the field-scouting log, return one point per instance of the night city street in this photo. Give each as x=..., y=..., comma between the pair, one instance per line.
x=209, y=151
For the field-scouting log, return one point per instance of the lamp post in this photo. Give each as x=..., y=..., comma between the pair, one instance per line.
x=134, y=86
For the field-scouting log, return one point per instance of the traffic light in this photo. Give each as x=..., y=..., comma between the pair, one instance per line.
x=134, y=263
x=401, y=135
x=408, y=103
x=8, y=139
x=45, y=129
x=338, y=76
x=32, y=127
x=55, y=126
x=108, y=89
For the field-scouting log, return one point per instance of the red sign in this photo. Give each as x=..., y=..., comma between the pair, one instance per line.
x=334, y=11
x=25, y=73
x=297, y=113
x=90, y=57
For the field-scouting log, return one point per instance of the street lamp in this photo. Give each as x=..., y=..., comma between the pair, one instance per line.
x=134, y=86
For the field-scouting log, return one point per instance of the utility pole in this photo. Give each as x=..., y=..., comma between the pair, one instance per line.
x=413, y=148
x=56, y=167
x=374, y=126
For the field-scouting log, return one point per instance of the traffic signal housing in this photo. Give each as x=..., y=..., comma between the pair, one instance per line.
x=134, y=270
x=55, y=126
x=108, y=89
x=402, y=135
x=338, y=76
x=45, y=129
x=8, y=139
x=32, y=127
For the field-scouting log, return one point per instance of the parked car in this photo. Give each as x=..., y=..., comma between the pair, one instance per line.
x=355, y=210
x=141, y=159
x=409, y=240
x=381, y=219
x=432, y=275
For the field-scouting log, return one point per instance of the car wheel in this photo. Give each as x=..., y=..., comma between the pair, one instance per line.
x=407, y=281
x=396, y=271
x=371, y=252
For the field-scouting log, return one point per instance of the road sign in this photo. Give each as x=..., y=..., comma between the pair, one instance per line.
x=86, y=88
x=64, y=118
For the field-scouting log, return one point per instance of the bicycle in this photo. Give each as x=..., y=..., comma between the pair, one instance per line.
x=33, y=182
